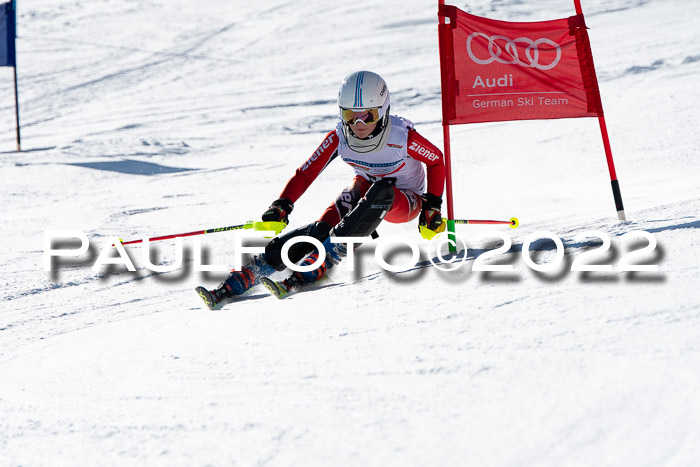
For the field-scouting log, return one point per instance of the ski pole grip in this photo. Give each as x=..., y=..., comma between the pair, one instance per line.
x=270, y=226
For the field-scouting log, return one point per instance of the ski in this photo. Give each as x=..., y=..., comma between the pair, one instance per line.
x=208, y=299
x=273, y=287
x=276, y=288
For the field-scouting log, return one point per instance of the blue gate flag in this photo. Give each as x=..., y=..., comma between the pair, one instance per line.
x=7, y=34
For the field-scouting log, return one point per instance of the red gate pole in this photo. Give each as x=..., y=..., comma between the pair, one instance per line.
x=448, y=155
x=617, y=195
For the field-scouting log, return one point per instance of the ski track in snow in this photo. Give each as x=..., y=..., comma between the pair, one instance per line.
x=149, y=118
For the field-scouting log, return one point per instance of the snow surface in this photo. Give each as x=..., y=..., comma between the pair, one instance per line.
x=144, y=118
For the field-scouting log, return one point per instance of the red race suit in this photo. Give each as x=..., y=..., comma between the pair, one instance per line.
x=402, y=158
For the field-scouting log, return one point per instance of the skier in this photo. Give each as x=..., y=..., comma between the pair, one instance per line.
x=388, y=156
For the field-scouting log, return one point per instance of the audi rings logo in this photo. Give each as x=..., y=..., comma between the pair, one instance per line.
x=505, y=50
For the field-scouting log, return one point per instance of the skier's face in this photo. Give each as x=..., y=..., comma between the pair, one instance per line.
x=361, y=129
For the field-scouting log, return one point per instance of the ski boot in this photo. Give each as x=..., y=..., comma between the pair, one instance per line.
x=238, y=283
x=298, y=280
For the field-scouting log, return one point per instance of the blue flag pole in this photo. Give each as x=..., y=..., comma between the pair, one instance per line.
x=12, y=52
x=19, y=139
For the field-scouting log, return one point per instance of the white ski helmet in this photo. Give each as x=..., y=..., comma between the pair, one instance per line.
x=364, y=91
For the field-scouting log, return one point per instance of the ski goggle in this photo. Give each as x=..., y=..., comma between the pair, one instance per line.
x=367, y=116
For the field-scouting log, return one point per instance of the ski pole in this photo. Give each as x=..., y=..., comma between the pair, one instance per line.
x=277, y=227
x=428, y=234
x=513, y=222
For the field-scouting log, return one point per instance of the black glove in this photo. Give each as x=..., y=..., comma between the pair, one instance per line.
x=430, y=215
x=278, y=211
